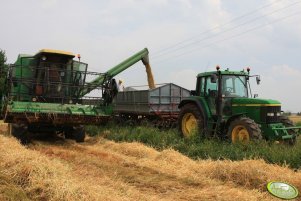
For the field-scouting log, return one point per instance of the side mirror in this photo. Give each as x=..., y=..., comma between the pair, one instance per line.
x=213, y=78
x=257, y=80
x=193, y=92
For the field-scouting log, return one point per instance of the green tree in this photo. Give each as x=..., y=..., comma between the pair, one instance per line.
x=3, y=71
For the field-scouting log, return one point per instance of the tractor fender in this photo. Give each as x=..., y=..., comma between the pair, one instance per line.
x=232, y=118
x=199, y=106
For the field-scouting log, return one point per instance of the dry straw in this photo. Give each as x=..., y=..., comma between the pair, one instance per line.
x=104, y=170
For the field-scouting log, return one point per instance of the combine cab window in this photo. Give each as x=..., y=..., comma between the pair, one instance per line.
x=234, y=86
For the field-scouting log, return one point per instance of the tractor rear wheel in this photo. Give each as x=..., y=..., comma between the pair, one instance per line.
x=288, y=123
x=191, y=121
x=243, y=130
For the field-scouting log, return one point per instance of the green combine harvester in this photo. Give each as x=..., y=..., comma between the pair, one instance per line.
x=222, y=105
x=50, y=92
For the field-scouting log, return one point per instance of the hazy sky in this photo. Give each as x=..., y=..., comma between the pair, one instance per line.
x=184, y=37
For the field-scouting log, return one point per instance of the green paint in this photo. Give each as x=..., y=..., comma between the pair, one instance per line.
x=141, y=55
x=255, y=101
x=226, y=72
x=56, y=108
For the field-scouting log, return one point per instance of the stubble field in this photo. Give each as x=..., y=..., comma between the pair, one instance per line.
x=100, y=169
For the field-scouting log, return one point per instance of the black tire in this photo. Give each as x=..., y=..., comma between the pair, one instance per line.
x=244, y=129
x=288, y=123
x=79, y=134
x=190, y=112
x=69, y=133
x=20, y=132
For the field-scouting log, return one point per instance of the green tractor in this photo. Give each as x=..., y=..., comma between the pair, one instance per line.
x=222, y=106
x=51, y=93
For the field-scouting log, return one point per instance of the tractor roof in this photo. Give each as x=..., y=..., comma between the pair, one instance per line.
x=225, y=72
x=51, y=51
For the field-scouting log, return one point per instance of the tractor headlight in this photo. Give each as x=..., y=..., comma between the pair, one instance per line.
x=270, y=114
x=278, y=114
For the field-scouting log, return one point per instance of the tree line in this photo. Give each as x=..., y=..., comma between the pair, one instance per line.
x=3, y=72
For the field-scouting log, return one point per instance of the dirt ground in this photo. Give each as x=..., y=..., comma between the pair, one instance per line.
x=58, y=169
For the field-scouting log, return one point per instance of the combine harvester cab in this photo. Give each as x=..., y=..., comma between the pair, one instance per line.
x=50, y=92
x=222, y=105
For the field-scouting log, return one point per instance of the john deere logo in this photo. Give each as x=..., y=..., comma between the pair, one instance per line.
x=282, y=190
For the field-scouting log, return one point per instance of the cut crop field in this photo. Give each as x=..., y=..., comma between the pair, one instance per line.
x=296, y=119
x=100, y=169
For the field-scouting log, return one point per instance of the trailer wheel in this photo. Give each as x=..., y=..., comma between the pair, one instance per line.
x=288, y=123
x=191, y=121
x=244, y=129
x=19, y=131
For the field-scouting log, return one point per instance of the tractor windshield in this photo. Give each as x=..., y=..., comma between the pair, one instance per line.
x=234, y=86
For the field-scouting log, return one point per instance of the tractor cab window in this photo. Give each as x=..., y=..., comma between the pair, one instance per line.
x=200, y=86
x=211, y=88
x=234, y=86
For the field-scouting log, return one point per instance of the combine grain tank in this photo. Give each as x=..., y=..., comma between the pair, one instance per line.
x=158, y=105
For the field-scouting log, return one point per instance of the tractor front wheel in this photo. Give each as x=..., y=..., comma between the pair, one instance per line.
x=191, y=121
x=243, y=130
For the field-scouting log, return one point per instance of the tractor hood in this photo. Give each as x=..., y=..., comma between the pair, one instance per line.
x=254, y=102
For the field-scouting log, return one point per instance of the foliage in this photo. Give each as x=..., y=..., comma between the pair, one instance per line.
x=3, y=71
x=3, y=58
x=198, y=148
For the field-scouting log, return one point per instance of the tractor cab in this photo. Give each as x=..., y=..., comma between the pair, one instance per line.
x=220, y=87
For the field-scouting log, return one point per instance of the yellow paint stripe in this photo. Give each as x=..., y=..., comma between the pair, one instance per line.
x=56, y=52
x=256, y=105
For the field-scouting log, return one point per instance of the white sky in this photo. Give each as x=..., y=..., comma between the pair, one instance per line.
x=262, y=34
